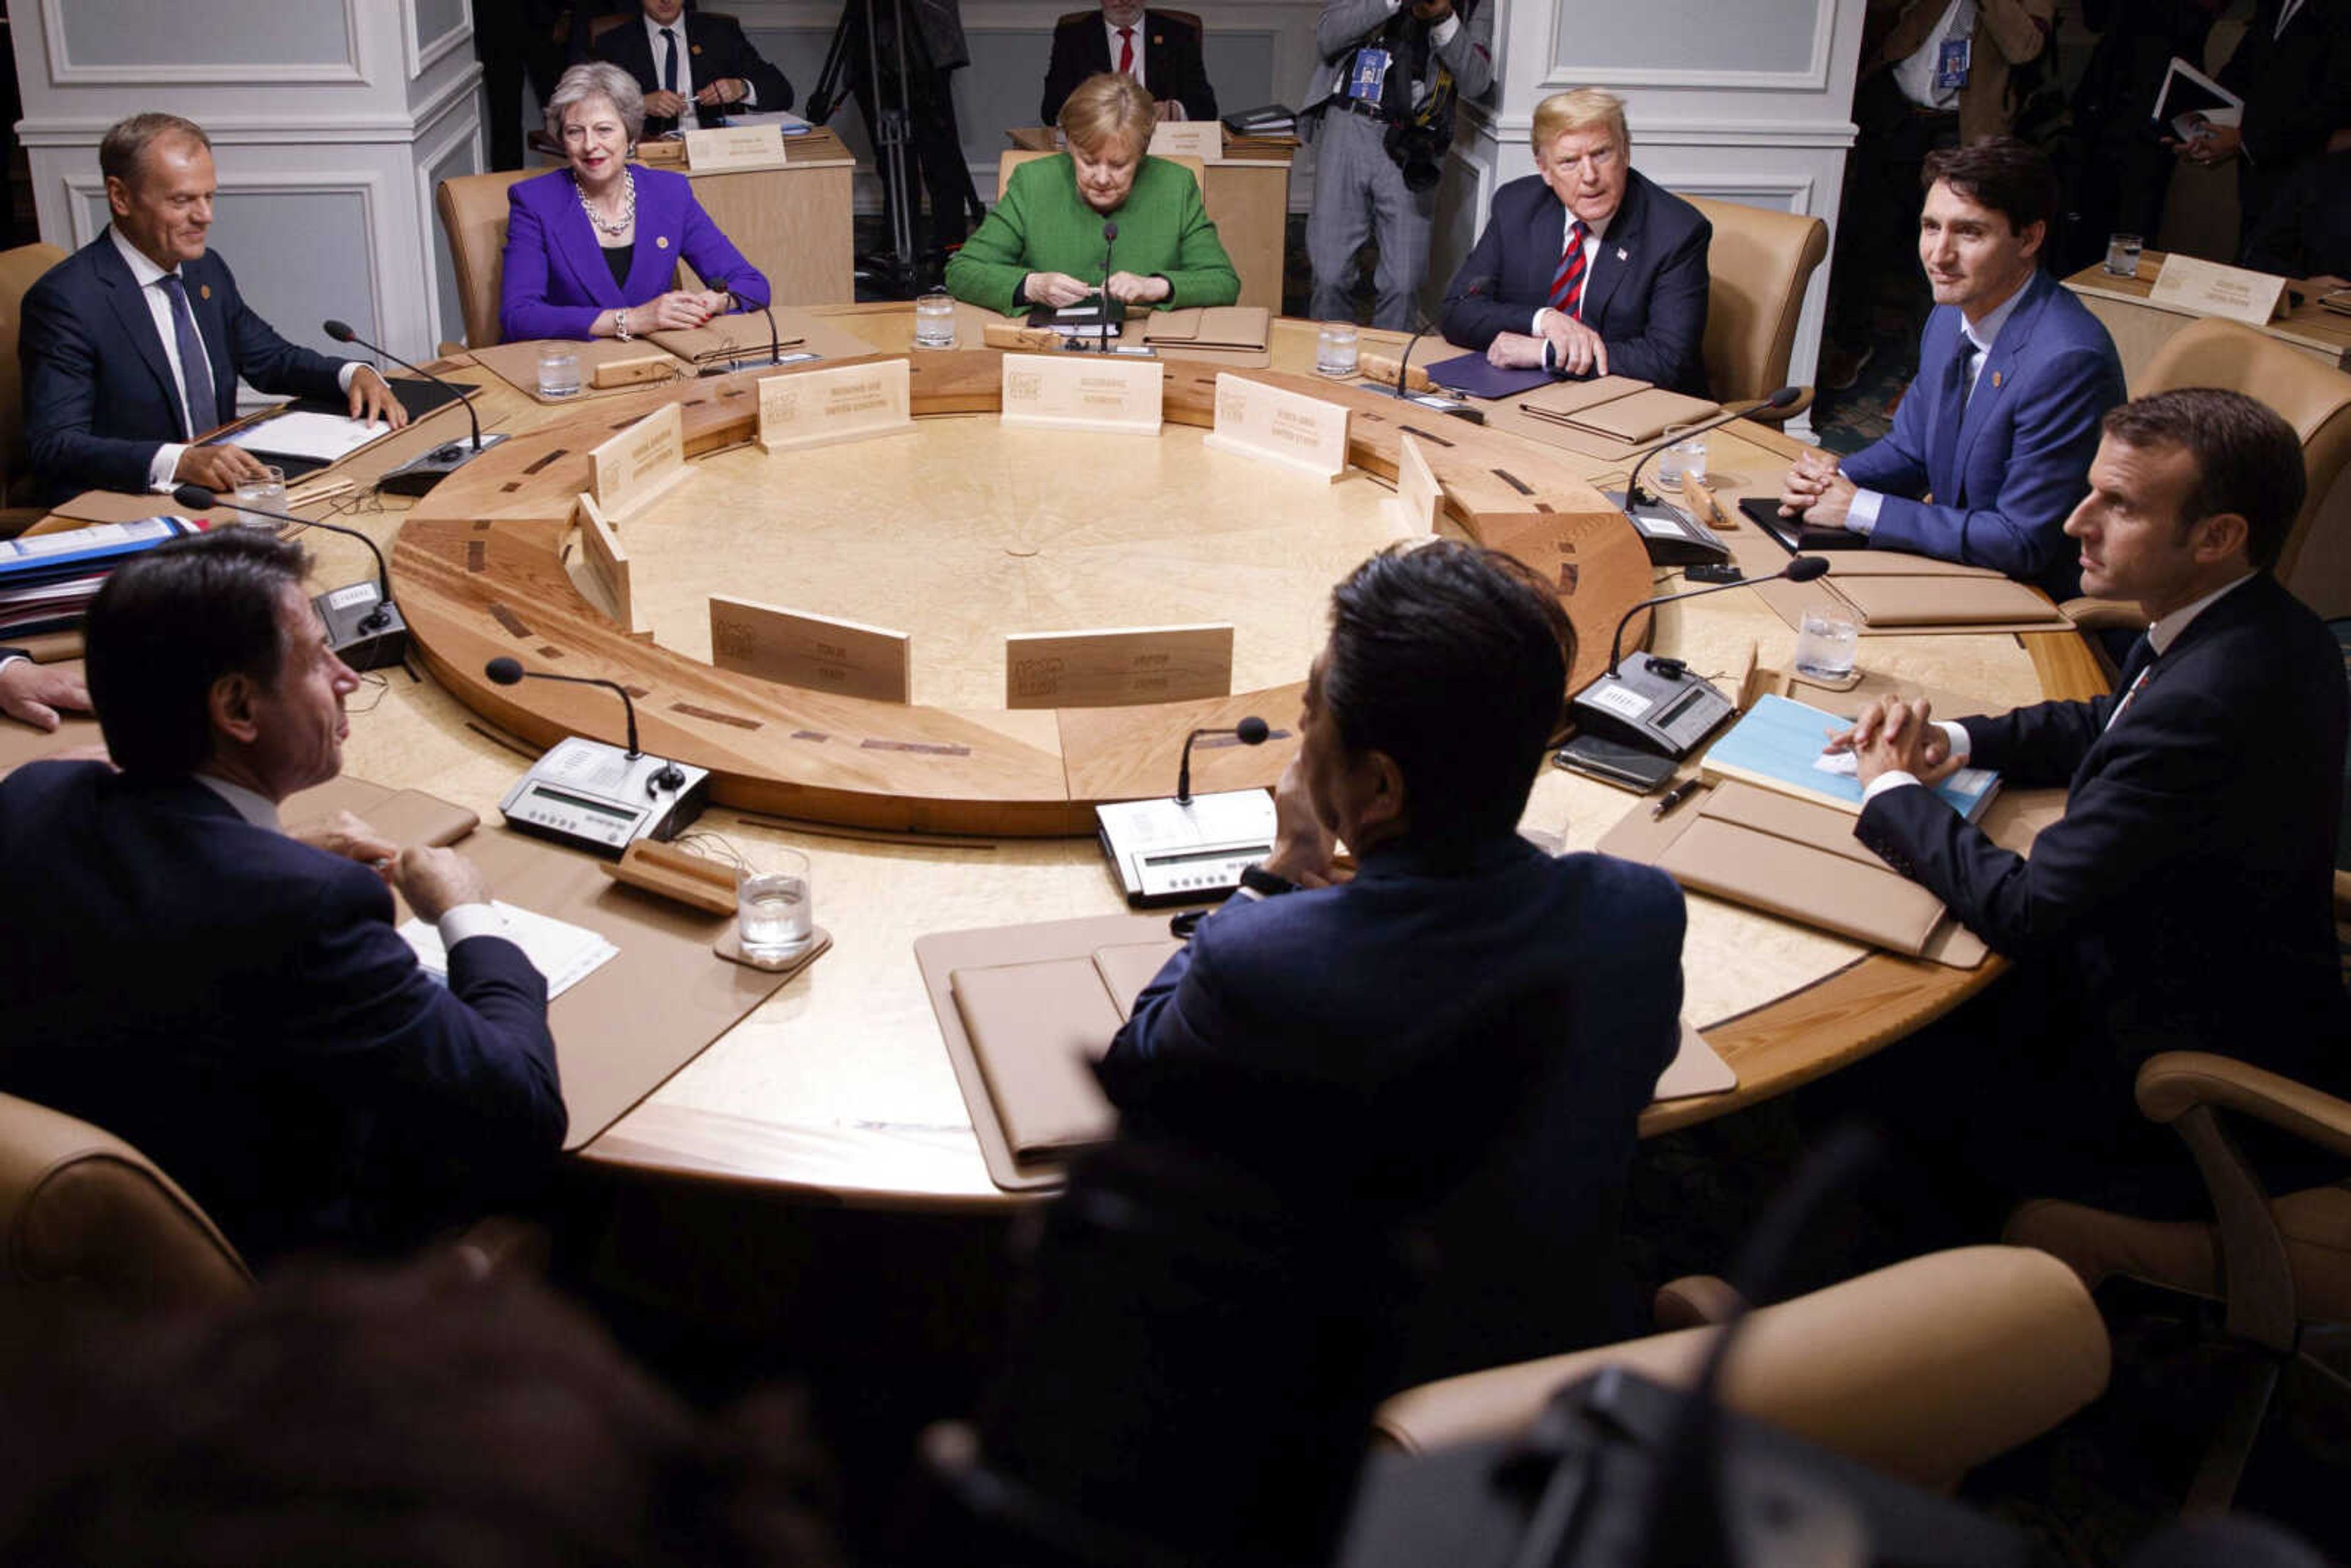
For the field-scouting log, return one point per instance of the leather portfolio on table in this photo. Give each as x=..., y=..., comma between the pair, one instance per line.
x=736, y=337
x=1618, y=408
x=1239, y=336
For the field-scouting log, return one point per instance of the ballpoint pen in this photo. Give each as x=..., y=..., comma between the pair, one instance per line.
x=1673, y=798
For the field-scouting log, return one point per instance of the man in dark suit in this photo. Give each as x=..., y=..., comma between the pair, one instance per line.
x=131, y=347
x=1159, y=50
x=1464, y=1030
x=232, y=1000
x=2293, y=68
x=1990, y=447
x=1586, y=268
x=2184, y=901
x=692, y=66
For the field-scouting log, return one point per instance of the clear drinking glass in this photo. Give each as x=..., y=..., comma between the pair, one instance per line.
x=558, y=371
x=2122, y=255
x=934, y=323
x=1825, y=640
x=266, y=493
x=1334, y=348
x=1685, y=456
x=774, y=908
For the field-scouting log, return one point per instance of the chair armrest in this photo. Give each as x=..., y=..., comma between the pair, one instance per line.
x=2103, y=614
x=2176, y=1082
x=1694, y=1300
x=1754, y=408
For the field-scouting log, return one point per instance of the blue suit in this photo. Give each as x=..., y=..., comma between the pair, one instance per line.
x=1467, y=1040
x=1645, y=294
x=2019, y=462
x=99, y=396
x=555, y=281
x=239, y=1007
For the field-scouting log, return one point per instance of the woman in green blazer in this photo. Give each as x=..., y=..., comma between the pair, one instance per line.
x=1043, y=244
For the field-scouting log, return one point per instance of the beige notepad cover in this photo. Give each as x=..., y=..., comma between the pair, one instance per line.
x=1695, y=1070
x=1129, y=966
x=1644, y=417
x=1801, y=881
x=1036, y=1030
x=1211, y=327
x=1567, y=399
x=734, y=337
x=1941, y=601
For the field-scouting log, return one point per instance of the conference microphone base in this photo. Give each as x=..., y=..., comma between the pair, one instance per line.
x=360, y=646
x=1654, y=703
x=414, y=478
x=1435, y=402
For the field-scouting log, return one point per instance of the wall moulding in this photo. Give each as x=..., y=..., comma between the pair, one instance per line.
x=63, y=72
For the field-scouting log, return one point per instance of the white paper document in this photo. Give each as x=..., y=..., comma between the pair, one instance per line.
x=318, y=437
x=564, y=953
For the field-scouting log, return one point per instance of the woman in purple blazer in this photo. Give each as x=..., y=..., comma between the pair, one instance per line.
x=593, y=250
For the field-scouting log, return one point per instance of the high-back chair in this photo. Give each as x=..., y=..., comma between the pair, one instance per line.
x=19, y=269
x=473, y=210
x=1758, y=265
x=1011, y=158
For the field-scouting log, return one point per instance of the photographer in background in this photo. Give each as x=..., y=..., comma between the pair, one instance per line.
x=1380, y=110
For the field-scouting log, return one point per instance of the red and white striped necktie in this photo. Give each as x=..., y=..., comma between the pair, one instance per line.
x=1567, y=285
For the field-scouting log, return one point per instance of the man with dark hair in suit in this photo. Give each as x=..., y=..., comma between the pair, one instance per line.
x=1587, y=267
x=2185, y=900
x=692, y=66
x=132, y=346
x=234, y=1002
x=1159, y=50
x=1461, y=1034
x=1989, y=449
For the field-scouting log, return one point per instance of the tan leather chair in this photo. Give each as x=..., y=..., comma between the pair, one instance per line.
x=1923, y=1370
x=1011, y=158
x=473, y=209
x=19, y=269
x=2278, y=1264
x=85, y=1218
x=1758, y=265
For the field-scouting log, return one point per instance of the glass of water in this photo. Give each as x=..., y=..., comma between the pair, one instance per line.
x=1334, y=348
x=774, y=908
x=1826, y=640
x=1686, y=456
x=934, y=324
x=558, y=371
x=2122, y=255
x=266, y=493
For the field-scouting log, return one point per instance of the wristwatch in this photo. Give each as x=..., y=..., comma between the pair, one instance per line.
x=1265, y=883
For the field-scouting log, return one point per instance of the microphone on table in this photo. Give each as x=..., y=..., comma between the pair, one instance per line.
x=508, y=671
x=1112, y=311
x=1786, y=397
x=1250, y=731
x=364, y=627
x=1436, y=398
x=775, y=341
x=1656, y=703
x=1671, y=537
x=415, y=478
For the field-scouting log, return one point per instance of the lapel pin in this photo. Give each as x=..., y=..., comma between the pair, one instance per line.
x=662, y=242
x=1995, y=381
x=203, y=291
x=1157, y=39
x=1624, y=255
x=693, y=49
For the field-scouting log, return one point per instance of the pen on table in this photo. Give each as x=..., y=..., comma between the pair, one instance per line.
x=1673, y=798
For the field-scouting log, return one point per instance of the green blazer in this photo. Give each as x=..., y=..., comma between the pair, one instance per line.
x=1042, y=225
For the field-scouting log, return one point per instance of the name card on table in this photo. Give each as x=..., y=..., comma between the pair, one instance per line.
x=639, y=464
x=735, y=147
x=795, y=648
x=1418, y=494
x=1298, y=432
x=1114, y=668
x=1201, y=139
x=2208, y=288
x=1082, y=392
x=607, y=564
x=819, y=408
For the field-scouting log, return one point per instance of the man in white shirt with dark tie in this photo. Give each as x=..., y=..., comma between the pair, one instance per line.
x=1160, y=49
x=695, y=70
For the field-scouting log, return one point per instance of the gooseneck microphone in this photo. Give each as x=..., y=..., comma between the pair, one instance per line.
x=365, y=639
x=1786, y=397
x=417, y=477
x=1110, y=238
x=508, y=671
x=1802, y=568
x=1250, y=731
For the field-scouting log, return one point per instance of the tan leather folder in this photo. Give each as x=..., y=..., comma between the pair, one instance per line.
x=1940, y=600
x=1128, y=967
x=1036, y=1030
x=1644, y=417
x=1245, y=327
x=1565, y=400
x=734, y=337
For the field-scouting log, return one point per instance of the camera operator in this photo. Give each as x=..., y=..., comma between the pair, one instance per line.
x=1380, y=109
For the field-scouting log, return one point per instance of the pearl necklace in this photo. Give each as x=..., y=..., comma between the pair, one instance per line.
x=620, y=225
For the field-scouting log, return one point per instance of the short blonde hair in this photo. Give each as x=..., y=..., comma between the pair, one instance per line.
x=1112, y=105
x=1582, y=108
x=598, y=78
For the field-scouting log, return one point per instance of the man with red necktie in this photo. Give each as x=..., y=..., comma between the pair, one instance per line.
x=1157, y=48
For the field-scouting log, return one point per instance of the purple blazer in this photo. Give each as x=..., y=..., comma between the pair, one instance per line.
x=555, y=281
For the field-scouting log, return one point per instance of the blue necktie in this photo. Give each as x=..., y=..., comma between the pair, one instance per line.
x=203, y=407
x=669, y=60
x=1942, y=455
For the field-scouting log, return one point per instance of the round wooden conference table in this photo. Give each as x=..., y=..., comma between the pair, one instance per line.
x=959, y=532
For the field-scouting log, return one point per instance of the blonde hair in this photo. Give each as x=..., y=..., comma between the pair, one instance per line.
x=1582, y=108
x=1106, y=106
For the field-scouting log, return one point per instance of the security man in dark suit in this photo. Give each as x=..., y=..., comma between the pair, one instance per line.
x=1587, y=267
x=2184, y=901
x=233, y=1001
x=693, y=67
x=131, y=347
x=1159, y=50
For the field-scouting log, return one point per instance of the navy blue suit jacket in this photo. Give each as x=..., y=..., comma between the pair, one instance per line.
x=2021, y=462
x=715, y=47
x=1645, y=295
x=1473, y=1039
x=239, y=1007
x=555, y=282
x=1171, y=64
x=2186, y=897
x=99, y=396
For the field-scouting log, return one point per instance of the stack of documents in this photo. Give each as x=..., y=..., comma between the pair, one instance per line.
x=1272, y=121
x=564, y=953
x=1777, y=745
x=1618, y=408
x=46, y=580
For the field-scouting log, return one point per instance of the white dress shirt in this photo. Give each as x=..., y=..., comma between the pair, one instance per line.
x=1979, y=336
x=1592, y=234
x=1916, y=76
x=1135, y=33
x=165, y=466
x=749, y=102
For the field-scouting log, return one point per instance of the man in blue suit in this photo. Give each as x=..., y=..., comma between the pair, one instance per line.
x=1991, y=446
x=234, y=1001
x=2184, y=901
x=132, y=348
x=1468, y=1027
x=1587, y=267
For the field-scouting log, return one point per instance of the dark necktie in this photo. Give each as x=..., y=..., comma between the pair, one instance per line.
x=195, y=384
x=1942, y=455
x=1567, y=282
x=2146, y=645
x=669, y=60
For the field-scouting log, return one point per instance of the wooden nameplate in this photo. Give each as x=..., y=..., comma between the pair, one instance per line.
x=679, y=875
